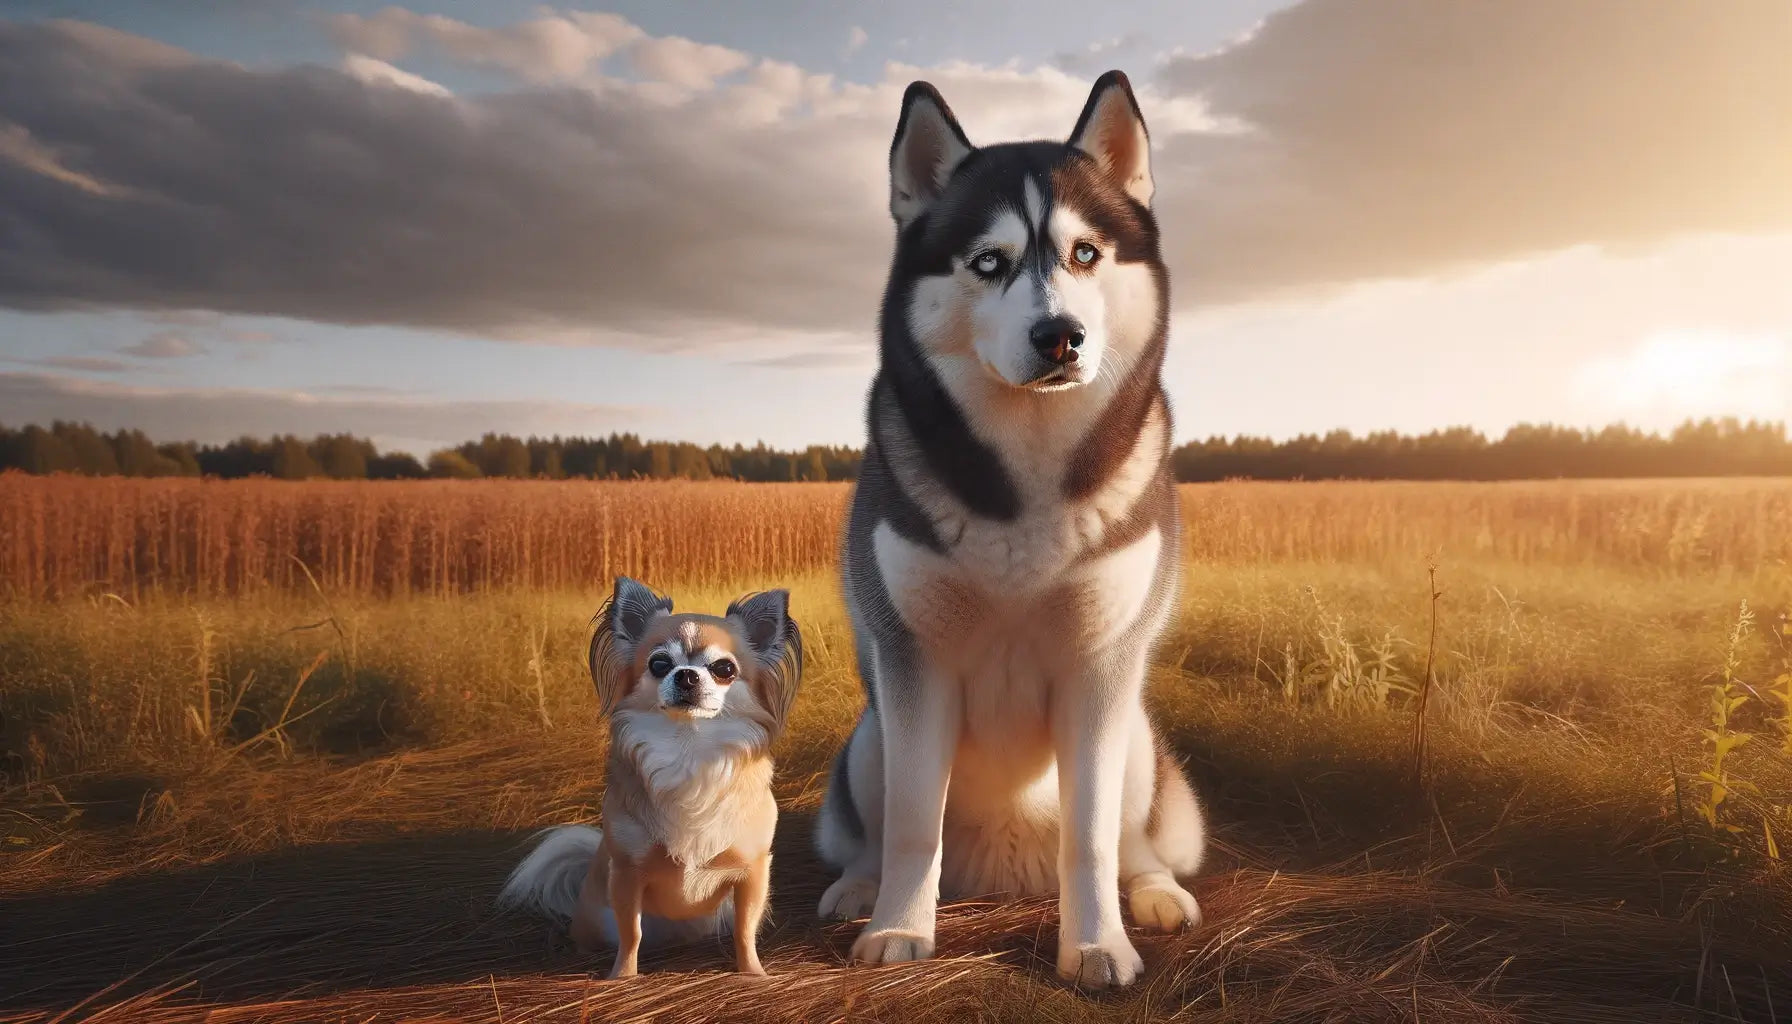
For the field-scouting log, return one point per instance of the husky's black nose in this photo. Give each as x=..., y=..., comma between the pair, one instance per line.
x=684, y=685
x=1057, y=338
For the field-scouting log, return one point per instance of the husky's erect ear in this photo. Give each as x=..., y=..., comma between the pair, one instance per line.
x=620, y=625
x=927, y=146
x=764, y=619
x=1113, y=132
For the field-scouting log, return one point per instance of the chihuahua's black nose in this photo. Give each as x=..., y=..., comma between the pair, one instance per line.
x=684, y=683
x=1057, y=338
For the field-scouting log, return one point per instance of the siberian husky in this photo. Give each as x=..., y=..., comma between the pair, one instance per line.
x=1011, y=555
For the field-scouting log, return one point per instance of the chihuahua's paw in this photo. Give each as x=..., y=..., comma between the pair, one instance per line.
x=891, y=947
x=849, y=899
x=1111, y=963
x=1164, y=907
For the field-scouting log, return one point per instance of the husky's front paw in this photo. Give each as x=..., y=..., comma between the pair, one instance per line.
x=888, y=946
x=1111, y=963
x=848, y=899
x=1164, y=907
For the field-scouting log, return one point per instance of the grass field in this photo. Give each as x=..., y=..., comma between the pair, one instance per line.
x=270, y=749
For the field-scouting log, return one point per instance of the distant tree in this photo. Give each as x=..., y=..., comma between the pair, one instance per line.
x=342, y=456
x=292, y=460
x=395, y=466
x=1718, y=447
x=184, y=455
x=93, y=454
x=815, y=466
x=452, y=465
x=137, y=455
x=691, y=463
x=42, y=451
x=545, y=459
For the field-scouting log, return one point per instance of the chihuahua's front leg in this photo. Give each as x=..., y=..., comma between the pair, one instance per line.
x=918, y=709
x=625, y=901
x=750, y=895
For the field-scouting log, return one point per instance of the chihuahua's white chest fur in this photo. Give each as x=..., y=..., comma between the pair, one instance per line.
x=687, y=770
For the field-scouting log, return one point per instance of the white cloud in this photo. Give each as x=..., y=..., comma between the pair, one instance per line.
x=1680, y=373
x=372, y=71
x=548, y=48
x=685, y=64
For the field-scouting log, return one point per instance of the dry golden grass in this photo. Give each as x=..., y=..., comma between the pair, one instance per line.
x=69, y=536
x=250, y=799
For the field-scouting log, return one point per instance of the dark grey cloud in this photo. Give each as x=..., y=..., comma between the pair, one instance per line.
x=218, y=414
x=1398, y=137
x=304, y=192
x=1382, y=137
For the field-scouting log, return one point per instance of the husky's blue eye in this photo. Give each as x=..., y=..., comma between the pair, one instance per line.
x=659, y=664
x=990, y=264
x=1085, y=254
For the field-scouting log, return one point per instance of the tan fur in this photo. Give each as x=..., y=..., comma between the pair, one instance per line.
x=678, y=849
x=633, y=877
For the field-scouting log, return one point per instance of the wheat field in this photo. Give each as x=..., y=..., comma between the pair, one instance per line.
x=269, y=749
x=66, y=536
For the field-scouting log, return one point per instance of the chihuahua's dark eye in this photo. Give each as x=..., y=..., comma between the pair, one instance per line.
x=989, y=264
x=660, y=664
x=1085, y=254
x=723, y=670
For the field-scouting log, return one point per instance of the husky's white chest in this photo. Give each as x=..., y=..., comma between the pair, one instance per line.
x=1021, y=586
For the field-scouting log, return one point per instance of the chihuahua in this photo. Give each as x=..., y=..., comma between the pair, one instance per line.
x=695, y=703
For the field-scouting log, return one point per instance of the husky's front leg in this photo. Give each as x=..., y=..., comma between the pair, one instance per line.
x=1092, y=716
x=919, y=715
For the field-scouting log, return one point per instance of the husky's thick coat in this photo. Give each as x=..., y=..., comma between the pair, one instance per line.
x=1011, y=553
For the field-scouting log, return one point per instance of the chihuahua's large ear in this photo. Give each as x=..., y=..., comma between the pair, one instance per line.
x=777, y=643
x=1113, y=132
x=927, y=147
x=620, y=625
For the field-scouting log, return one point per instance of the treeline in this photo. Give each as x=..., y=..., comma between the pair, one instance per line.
x=1726, y=447
x=65, y=447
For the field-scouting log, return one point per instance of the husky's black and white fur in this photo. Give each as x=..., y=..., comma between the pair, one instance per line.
x=1012, y=550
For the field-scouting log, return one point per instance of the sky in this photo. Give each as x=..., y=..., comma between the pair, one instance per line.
x=421, y=223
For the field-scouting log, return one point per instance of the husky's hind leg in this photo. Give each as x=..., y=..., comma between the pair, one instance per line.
x=1161, y=835
x=849, y=827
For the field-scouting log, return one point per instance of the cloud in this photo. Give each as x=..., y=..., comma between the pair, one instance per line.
x=553, y=47
x=856, y=38
x=592, y=215
x=679, y=62
x=164, y=345
x=216, y=415
x=1684, y=373
x=83, y=364
x=19, y=148
x=663, y=194
x=1098, y=56
x=378, y=72
x=1398, y=137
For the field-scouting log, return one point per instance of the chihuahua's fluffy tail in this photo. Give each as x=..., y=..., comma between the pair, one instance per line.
x=547, y=881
